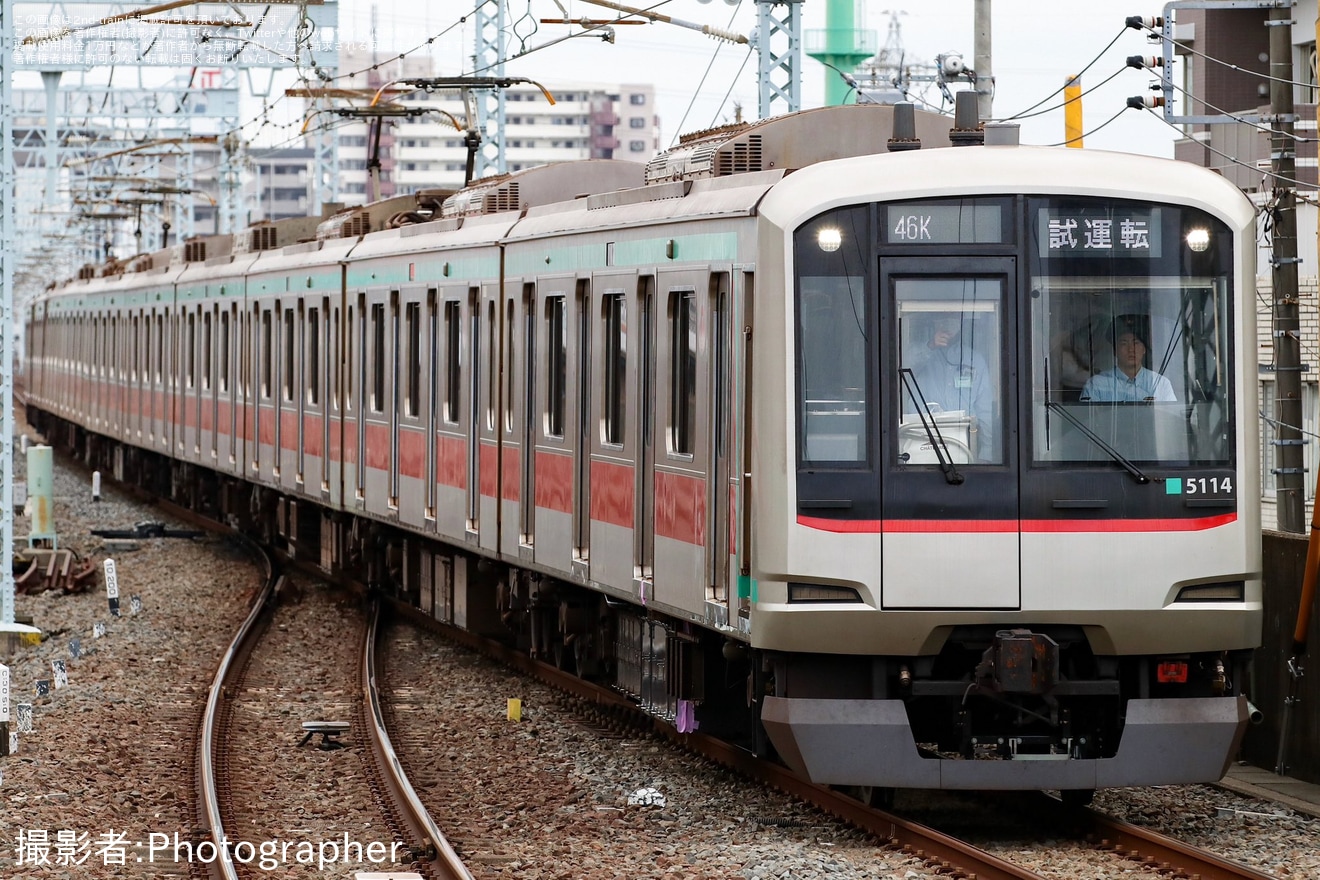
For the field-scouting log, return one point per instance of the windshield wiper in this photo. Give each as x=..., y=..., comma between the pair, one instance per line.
x=1137, y=473
x=952, y=476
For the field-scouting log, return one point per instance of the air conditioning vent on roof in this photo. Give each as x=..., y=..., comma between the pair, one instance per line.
x=358, y=223
x=263, y=238
x=504, y=198
x=740, y=157
x=194, y=251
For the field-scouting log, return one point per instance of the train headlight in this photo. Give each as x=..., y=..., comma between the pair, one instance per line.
x=1198, y=239
x=829, y=238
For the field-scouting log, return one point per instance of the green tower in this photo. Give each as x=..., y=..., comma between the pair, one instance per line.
x=841, y=45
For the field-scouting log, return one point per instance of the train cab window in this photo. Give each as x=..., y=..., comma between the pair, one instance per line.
x=833, y=326
x=950, y=338
x=683, y=372
x=1130, y=328
x=556, y=366
x=378, y=357
x=615, y=366
x=453, y=361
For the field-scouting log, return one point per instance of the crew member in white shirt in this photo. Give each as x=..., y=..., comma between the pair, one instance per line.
x=1128, y=380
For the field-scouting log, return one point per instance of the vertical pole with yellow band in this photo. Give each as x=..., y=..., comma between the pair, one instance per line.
x=1072, y=112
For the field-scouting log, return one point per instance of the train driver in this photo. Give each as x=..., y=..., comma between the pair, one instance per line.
x=1128, y=380
x=951, y=373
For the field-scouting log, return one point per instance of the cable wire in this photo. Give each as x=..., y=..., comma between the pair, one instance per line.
x=1084, y=93
x=1223, y=155
x=1087, y=134
x=1191, y=51
x=1022, y=115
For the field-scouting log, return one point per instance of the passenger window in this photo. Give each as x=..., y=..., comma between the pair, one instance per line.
x=683, y=371
x=413, y=331
x=454, y=362
x=615, y=366
x=556, y=366
x=313, y=365
x=378, y=357
x=289, y=359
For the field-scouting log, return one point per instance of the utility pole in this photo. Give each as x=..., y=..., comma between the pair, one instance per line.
x=1290, y=492
x=1072, y=112
x=985, y=78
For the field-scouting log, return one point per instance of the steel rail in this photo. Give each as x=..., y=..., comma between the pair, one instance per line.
x=945, y=854
x=230, y=664
x=441, y=858
x=1161, y=853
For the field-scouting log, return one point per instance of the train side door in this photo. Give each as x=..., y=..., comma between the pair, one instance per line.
x=582, y=420
x=472, y=414
x=949, y=454
x=390, y=366
x=720, y=495
x=527, y=439
x=644, y=528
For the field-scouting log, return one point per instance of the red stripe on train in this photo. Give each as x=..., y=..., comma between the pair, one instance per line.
x=680, y=508
x=613, y=493
x=554, y=481
x=910, y=526
x=510, y=473
x=451, y=461
x=412, y=454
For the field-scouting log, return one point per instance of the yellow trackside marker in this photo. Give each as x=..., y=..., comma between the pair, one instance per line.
x=515, y=710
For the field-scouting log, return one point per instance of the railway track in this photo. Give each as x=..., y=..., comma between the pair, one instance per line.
x=228, y=793
x=946, y=854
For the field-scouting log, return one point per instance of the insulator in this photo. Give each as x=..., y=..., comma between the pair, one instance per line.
x=1145, y=102
x=1145, y=62
x=1137, y=22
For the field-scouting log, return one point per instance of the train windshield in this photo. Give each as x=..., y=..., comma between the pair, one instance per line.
x=1129, y=315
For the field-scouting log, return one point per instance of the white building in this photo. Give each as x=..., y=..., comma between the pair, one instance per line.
x=587, y=121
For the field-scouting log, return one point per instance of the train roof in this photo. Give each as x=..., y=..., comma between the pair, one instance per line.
x=1009, y=169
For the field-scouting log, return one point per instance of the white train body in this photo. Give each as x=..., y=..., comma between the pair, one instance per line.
x=691, y=436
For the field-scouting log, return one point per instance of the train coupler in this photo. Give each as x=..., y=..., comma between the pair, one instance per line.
x=1019, y=661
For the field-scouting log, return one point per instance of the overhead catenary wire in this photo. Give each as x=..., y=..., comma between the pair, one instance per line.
x=697, y=91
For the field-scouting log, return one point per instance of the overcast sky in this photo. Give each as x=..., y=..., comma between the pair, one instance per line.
x=1035, y=46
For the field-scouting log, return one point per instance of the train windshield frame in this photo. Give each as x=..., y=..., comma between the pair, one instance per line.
x=1092, y=275
x=1131, y=326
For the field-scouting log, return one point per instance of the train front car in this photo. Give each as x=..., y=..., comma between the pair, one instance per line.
x=1011, y=538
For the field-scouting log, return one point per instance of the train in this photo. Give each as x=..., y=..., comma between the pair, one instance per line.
x=906, y=453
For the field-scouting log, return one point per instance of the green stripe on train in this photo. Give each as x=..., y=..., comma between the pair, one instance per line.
x=527, y=259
